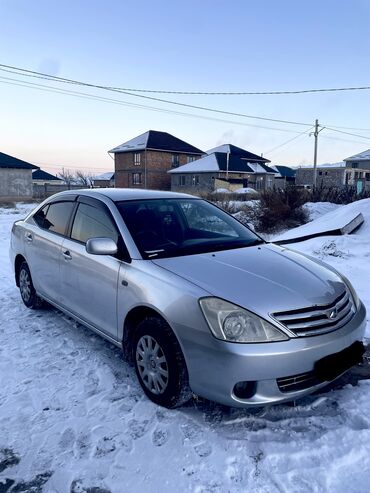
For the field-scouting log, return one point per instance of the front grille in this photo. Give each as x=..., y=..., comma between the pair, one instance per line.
x=318, y=319
x=302, y=381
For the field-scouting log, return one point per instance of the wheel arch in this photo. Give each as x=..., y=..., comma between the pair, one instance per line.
x=19, y=259
x=133, y=318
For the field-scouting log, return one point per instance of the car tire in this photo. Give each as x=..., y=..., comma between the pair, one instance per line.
x=160, y=364
x=26, y=288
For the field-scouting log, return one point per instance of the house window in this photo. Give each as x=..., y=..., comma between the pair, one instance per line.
x=320, y=173
x=326, y=173
x=182, y=180
x=367, y=176
x=191, y=159
x=175, y=160
x=136, y=179
x=137, y=159
x=195, y=180
x=354, y=165
x=356, y=175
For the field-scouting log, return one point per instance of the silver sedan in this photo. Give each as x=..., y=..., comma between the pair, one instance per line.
x=198, y=302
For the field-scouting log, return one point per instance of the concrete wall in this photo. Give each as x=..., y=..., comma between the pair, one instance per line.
x=153, y=168
x=208, y=182
x=326, y=177
x=363, y=164
x=15, y=184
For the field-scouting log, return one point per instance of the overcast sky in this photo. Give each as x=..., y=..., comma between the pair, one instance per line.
x=192, y=45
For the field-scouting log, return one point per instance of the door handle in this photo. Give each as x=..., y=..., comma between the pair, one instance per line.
x=67, y=255
x=28, y=237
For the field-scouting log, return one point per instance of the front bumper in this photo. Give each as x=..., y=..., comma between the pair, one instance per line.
x=215, y=366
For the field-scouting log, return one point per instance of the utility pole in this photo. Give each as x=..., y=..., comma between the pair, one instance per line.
x=316, y=134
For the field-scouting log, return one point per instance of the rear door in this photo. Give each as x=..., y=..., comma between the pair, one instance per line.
x=43, y=237
x=89, y=282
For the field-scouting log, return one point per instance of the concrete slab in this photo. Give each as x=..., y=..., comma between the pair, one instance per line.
x=338, y=222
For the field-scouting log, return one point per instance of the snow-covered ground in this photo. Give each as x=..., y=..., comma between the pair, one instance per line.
x=317, y=209
x=73, y=418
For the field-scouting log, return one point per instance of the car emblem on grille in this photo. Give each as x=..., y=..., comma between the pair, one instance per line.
x=332, y=314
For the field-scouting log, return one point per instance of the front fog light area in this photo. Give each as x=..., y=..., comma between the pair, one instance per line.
x=232, y=323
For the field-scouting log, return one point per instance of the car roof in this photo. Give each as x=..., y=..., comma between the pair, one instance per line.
x=121, y=194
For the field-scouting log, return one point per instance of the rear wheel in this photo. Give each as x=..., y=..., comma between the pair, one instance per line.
x=160, y=364
x=28, y=293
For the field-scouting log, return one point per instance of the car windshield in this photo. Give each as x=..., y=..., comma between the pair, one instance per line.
x=164, y=228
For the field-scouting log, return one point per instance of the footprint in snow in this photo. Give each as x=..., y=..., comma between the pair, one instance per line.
x=137, y=428
x=159, y=437
x=67, y=439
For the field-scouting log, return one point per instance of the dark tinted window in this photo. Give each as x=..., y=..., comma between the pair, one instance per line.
x=175, y=227
x=55, y=217
x=92, y=222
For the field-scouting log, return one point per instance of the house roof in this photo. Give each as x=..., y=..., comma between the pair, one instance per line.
x=284, y=171
x=219, y=161
x=159, y=141
x=109, y=175
x=7, y=161
x=238, y=151
x=39, y=174
x=365, y=155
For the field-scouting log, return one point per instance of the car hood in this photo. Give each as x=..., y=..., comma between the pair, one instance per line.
x=263, y=278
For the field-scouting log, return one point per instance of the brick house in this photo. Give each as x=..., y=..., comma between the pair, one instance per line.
x=224, y=167
x=15, y=178
x=143, y=161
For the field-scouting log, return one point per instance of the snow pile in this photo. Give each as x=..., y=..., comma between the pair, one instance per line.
x=317, y=209
x=74, y=419
x=221, y=190
x=249, y=190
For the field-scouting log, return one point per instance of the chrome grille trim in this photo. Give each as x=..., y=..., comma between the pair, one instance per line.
x=295, y=383
x=318, y=319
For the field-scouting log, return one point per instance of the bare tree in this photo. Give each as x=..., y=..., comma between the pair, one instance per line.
x=85, y=178
x=67, y=176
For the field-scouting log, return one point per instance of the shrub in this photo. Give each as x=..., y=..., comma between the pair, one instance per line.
x=281, y=209
x=343, y=195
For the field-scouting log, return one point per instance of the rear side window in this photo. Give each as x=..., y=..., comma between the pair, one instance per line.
x=55, y=217
x=92, y=222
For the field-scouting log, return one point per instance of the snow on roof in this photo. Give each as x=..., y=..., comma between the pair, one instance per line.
x=206, y=164
x=136, y=144
x=359, y=157
x=257, y=168
x=104, y=176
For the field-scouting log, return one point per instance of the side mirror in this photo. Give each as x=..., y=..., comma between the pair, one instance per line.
x=101, y=246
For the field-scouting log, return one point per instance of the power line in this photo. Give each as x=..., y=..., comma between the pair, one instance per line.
x=341, y=140
x=348, y=133
x=46, y=88
x=306, y=132
x=207, y=93
x=151, y=98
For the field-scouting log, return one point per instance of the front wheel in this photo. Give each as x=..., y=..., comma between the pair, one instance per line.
x=28, y=293
x=160, y=364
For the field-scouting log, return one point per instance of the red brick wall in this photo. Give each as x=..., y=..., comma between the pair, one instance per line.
x=154, y=164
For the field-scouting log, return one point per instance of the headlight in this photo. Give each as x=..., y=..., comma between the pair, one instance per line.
x=355, y=298
x=234, y=324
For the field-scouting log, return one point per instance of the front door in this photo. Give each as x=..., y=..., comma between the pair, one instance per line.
x=89, y=282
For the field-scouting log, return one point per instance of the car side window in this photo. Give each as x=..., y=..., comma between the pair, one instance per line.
x=55, y=217
x=92, y=222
